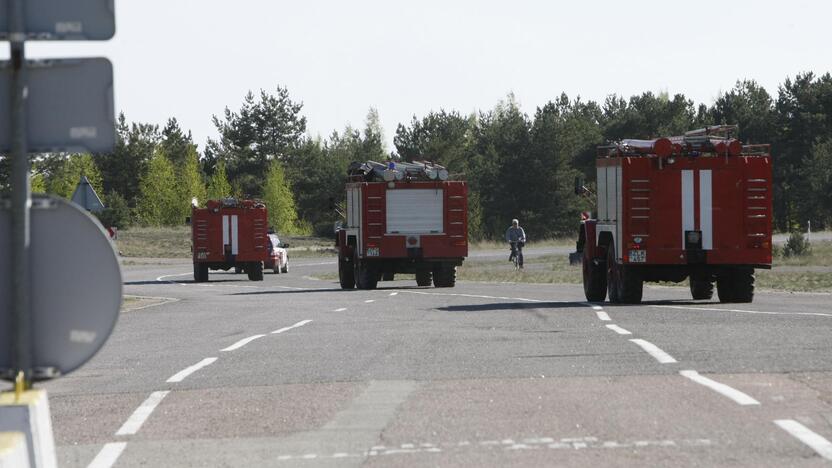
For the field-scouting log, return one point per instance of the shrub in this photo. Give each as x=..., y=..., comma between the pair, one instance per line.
x=796, y=246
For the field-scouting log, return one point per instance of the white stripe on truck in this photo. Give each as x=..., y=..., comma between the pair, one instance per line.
x=706, y=209
x=688, y=223
x=224, y=230
x=235, y=245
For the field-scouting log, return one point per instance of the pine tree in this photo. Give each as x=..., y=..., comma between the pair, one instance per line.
x=279, y=200
x=158, y=194
x=218, y=186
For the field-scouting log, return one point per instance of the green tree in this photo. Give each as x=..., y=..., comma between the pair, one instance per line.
x=68, y=171
x=218, y=186
x=279, y=200
x=121, y=169
x=190, y=184
x=264, y=129
x=159, y=200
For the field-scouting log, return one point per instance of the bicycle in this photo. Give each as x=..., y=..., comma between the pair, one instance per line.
x=516, y=253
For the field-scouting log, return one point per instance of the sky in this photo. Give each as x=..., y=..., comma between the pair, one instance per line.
x=190, y=59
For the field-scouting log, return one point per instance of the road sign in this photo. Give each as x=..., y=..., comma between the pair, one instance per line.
x=75, y=288
x=85, y=196
x=52, y=20
x=70, y=105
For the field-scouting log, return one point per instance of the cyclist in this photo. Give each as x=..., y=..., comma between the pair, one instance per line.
x=516, y=237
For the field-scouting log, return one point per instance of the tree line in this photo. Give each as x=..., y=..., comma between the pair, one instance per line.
x=518, y=165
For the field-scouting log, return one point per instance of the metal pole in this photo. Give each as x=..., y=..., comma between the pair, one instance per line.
x=21, y=200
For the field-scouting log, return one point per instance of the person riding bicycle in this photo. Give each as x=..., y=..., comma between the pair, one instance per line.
x=516, y=237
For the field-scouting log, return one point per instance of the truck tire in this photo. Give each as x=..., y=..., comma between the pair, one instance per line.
x=736, y=285
x=624, y=282
x=595, y=279
x=444, y=276
x=423, y=277
x=255, y=271
x=701, y=288
x=200, y=272
x=366, y=277
x=238, y=270
x=346, y=273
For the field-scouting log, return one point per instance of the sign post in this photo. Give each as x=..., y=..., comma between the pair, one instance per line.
x=20, y=199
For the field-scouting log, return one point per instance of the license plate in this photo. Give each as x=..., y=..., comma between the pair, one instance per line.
x=638, y=256
x=372, y=251
x=202, y=255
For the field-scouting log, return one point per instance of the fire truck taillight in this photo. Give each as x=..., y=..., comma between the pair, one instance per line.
x=459, y=243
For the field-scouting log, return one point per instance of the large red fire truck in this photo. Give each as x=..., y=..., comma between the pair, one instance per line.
x=228, y=234
x=402, y=218
x=696, y=206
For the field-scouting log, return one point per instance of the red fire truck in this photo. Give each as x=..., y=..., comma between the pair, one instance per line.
x=229, y=233
x=402, y=218
x=695, y=207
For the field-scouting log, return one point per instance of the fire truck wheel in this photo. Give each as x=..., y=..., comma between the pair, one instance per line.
x=238, y=270
x=366, y=277
x=701, y=288
x=595, y=280
x=255, y=271
x=736, y=285
x=423, y=277
x=624, y=283
x=200, y=272
x=444, y=276
x=346, y=274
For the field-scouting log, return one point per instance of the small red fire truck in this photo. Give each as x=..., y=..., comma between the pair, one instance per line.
x=695, y=207
x=229, y=233
x=402, y=218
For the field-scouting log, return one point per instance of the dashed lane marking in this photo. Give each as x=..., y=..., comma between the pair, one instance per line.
x=108, y=455
x=242, y=343
x=369, y=301
x=340, y=310
x=536, y=443
x=802, y=433
x=135, y=421
x=284, y=329
x=180, y=376
x=654, y=351
x=602, y=315
x=394, y=293
x=724, y=390
x=618, y=330
x=742, y=311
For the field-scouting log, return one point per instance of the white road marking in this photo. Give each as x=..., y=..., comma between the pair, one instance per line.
x=340, y=310
x=299, y=324
x=743, y=311
x=654, y=351
x=135, y=421
x=802, y=433
x=476, y=296
x=108, y=455
x=594, y=307
x=312, y=264
x=394, y=293
x=618, y=330
x=571, y=443
x=180, y=376
x=724, y=390
x=242, y=343
x=369, y=301
x=602, y=315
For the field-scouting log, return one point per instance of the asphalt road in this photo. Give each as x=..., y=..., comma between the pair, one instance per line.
x=293, y=371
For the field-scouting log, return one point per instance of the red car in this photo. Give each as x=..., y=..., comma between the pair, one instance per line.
x=277, y=261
